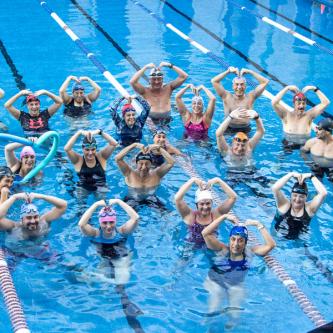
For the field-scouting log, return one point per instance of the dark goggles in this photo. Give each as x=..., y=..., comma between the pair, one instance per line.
x=241, y=140
x=159, y=74
x=89, y=146
x=299, y=99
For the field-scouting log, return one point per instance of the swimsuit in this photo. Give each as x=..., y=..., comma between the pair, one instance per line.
x=72, y=110
x=196, y=131
x=37, y=125
x=127, y=135
x=321, y=171
x=195, y=230
x=291, y=226
x=91, y=178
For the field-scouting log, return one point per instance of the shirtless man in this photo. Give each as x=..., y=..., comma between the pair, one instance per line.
x=298, y=123
x=144, y=178
x=158, y=94
x=321, y=149
x=239, y=99
x=240, y=151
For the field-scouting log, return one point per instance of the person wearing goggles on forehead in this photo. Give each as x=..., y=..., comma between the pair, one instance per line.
x=204, y=214
x=199, y=120
x=239, y=99
x=20, y=167
x=35, y=122
x=158, y=93
x=32, y=224
x=321, y=149
x=92, y=165
x=239, y=153
x=297, y=124
x=3, y=127
x=78, y=104
x=159, y=137
x=129, y=127
x=110, y=238
x=293, y=215
x=6, y=182
x=143, y=180
x=231, y=263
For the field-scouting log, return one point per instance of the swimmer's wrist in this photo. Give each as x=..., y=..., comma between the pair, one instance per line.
x=100, y=132
x=316, y=89
x=256, y=117
x=230, y=117
x=171, y=65
x=260, y=226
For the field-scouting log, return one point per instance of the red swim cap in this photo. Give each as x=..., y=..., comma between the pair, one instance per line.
x=127, y=108
x=299, y=95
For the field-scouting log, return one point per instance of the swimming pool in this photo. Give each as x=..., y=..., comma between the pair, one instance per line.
x=167, y=278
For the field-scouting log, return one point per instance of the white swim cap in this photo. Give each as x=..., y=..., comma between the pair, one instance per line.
x=203, y=195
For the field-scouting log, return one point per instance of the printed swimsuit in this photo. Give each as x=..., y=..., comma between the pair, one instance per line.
x=91, y=178
x=72, y=110
x=195, y=230
x=37, y=125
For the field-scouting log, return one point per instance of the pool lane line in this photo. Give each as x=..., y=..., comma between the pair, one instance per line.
x=281, y=27
x=291, y=21
x=217, y=38
x=17, y=76
x=12, y=301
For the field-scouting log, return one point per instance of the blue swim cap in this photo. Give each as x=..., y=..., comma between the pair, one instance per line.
x=77, y=86
x=239, y=231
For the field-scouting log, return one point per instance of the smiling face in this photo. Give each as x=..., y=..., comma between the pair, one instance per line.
x=237, y=245
x=78, y=95
x=205, y=207
x=298, y=200
x=143, y=167
x=89, y=153
x=30, y=222
x=129, y=118
x=197, y=105
x=34, y=108
x=28, y=161
x=107, y=226
x=160, y=139
x=321, y=133
x=239, y=146
x=239, y=86
x=299, y=105
x=6, y=181
x=156, y=81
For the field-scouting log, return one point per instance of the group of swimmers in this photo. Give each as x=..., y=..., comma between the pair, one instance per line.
x=153, y=162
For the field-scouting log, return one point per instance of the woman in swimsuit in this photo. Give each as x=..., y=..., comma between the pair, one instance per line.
x=198, y=121
x=92, y=165
x=198, y=219
x=293, y=216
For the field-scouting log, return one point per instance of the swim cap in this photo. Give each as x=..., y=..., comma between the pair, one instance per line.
x=107, y=214
x=300, y=188
x=241, y=136
x=5, y=171
x=27, y=150
x=28, y=209
x=86, y=141
x=197, y=99
x=143, y=157
x=155, y=72
x=31, y=98
x=299, y=95
x=202, y=195
x=239, y=230
x=326, y=124
x=158, y=131
x=242, y=78
x=77, y=86
x=127, y=108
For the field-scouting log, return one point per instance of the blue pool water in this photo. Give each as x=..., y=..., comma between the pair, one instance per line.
x=167, y=278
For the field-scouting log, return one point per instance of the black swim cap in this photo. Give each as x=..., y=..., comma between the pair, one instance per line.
x=143, y=157
x=86, y=141
x=326, y=124
x=5, y=171
x=300, y=188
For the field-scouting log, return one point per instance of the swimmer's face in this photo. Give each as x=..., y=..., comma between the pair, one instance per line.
x=204, y=207
x=143, y=167
x=239, y=86
x=107, y=227
x=33, y=107
x=156, y=82
x=89, y=153
x=237, y=244
x=129, y=118
x=197, y=106
x=30, y=222
x=78, y=96
x=28, y=161
x=298, y=200
x=6, y=181
x=321, y=133
x=160, y=139
x=239, y=147
x=299, y=105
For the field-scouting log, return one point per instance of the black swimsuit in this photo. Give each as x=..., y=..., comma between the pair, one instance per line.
x=91, y=178
x=72, y=110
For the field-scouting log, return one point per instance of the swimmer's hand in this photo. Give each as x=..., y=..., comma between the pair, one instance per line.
x=151, y=65
x=40, y=92
x=164, y=64
x=113, y=201
x=32, y=139
x=25, y=92
x=6, y=191
x=244, y=71
x=239, y=113
x=298, y=176
x=232, y=218
x=83, y=78
x=154, y=147
x=307, y=88
x=197, y=181
x=252, y=222
x=74, y=78
x=293, y=88
x=100, y=203
x=139, y=145
x=304, y=176
x=17, y=196
x=233, y=70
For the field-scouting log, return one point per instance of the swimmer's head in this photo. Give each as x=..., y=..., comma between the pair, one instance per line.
x=89, y=146
x=129, y=114
x=156, y=78
x=204, y=202
x=143, y=163
x=299, y=193
x=326, y=125
x=300, y=188
x=6, y=177
x=299, y=101
x=27, y=151
x=32, y=98
x=77, y=86
x=237, y=240
x=239, y=230
x=159, y=137
x=203, y=195
x=78, y=92
x=197, y=104
x=239, y=144
x=239, y=85
x=29, y=216
x=107, y=219
x=33, y=104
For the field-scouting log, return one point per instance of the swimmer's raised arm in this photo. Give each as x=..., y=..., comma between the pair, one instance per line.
x=92, y=96
x=316, y=202
x=72, y=155
x=281, y=110
x=167, y=165
x=4, y=207
x=134, y=82
x=319, y=108
x=208, y=115
x=62, y=90
x=84, y=225
x=11, y=159
x=9, y=104
x=106, y=152
x=123, y=166
x=209, y=235
x=182, y=75
x=181, y=107
x=262, y=249
x=2, y=93
x=259, y=132
x=216, y=81
x=263, y=82
x=57, y=100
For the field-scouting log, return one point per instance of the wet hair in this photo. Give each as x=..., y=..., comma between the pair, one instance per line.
x=300, y=188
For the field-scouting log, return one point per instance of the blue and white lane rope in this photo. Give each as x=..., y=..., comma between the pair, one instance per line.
x=281, y=27
x=91, y=56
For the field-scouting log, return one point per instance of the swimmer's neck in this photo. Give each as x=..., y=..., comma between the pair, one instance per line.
x=109, y=236
x=236, y=257
x=196, y=117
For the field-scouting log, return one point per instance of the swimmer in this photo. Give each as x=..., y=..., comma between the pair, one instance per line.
x=293, y=216
x=20, y=167
x=198, y=121
x=158, y=94
x=204, y=214
x=239, y=99
x=225, y=278
x=159, y=137
x=78, y=104
x=129, y=126
x=239, y=153
x=35, y=122
x=6, y=182
x=110, y=238
x=298, y=122
x=32, y=224
x=144, y=178
x=321, y=149
x=92, y=165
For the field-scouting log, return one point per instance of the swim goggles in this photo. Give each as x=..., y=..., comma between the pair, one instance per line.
x=299, y=99
x=241, y=140
x=28, y=209
x=89, y=146
x=159, y=74
x=6, y=172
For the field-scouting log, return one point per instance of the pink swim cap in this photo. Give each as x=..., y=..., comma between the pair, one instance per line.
x=27, y=151
x=107, y=214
